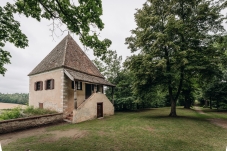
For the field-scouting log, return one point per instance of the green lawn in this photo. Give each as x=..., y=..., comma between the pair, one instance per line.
x=147, y=130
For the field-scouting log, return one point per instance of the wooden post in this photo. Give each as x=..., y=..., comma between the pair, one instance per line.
x=95, y=88
x=113, y=95
x=75, y=95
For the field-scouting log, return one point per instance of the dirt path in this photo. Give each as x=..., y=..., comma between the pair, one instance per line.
x=219, y=122
x=197, y=109
x=50, y=135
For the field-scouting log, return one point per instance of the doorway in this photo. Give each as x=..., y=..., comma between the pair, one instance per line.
x=88, y=90
x=99, y=110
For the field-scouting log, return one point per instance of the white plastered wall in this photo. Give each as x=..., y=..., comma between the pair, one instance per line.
x=88, y=110
x=51, y=99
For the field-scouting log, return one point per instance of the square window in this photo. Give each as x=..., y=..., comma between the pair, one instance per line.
x=79, y=85
x=38, y=86
x=48, y=84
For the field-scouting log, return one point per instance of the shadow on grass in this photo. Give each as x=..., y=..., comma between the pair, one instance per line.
x=135, y=111
x=214, y=111
x=176, y=118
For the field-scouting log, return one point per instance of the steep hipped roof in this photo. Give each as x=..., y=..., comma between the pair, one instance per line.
x=67, y=54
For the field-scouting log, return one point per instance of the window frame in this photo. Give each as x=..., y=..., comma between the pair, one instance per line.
x=49, y=84
x=77, y=83
x=40, y=84
x=79, y=88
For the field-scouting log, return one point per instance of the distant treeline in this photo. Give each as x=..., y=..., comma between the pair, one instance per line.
x=18, y=98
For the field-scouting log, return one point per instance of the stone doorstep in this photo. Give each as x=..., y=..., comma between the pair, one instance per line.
x=67, y=120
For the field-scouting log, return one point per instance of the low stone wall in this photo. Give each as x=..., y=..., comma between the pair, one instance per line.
x=28, y=122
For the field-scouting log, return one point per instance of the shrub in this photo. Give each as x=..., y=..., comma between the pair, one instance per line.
x=18, y=112
x=30, y=110
x=11, y=114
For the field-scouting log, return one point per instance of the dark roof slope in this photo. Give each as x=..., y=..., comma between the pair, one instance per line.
x=53, y=60
x=67, y=54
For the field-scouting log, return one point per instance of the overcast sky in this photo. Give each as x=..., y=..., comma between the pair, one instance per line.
x=118, y=17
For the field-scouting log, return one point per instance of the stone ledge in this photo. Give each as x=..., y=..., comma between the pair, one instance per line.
x=28, y=122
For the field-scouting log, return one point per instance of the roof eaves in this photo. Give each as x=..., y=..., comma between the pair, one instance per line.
x=31, y=74
x=82, y=72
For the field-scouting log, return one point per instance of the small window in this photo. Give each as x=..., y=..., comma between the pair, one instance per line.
x=49, y=84
x=79, y=85
x=38, y=86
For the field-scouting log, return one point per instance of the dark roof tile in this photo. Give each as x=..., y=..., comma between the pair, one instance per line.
x=67, y=54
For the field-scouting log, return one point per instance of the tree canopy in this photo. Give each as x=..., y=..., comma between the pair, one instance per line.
x=79, y=17
x=175, y=41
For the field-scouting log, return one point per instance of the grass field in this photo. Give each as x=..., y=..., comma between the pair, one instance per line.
x=137, y=131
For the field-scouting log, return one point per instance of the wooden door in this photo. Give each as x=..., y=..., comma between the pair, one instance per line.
x=99, y=110
x=41, y=105
x=88, y=91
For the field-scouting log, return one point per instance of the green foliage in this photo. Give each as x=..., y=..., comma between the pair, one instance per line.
x=214, y=91
x=30, y=110
x=20, y=113
x=111, y=68
x=123, y=95
x=9, y=31
x=79, y=19
x=125, y=98
x=175, y=41
x=11, y=114
x=18, y=98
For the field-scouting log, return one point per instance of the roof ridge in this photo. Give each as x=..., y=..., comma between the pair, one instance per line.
x=66, y=44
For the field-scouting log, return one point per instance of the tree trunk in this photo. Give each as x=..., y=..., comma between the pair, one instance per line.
x=206, y=103
x=210, y=103
x=217, y=104
x=173, y=112
x=187, y=102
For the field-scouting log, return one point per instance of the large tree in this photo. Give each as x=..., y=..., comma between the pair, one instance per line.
x=80, y=17
x=175, y=39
